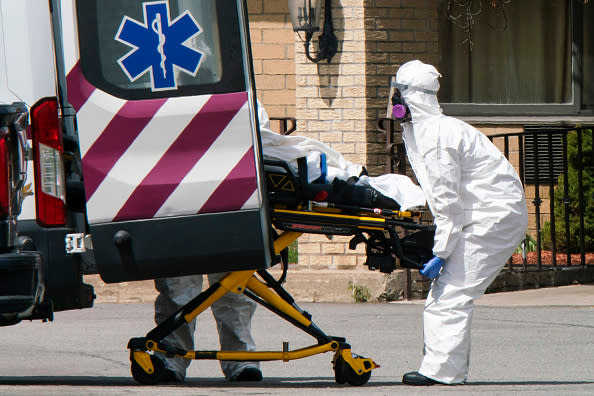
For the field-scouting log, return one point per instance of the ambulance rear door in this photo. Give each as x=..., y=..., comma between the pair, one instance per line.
x=167, y=127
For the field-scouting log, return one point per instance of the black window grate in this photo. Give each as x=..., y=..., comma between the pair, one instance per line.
x=543, y=158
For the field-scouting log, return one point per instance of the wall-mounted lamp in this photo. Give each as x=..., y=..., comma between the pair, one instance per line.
x=305, y=17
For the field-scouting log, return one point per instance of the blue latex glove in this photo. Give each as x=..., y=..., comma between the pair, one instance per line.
x=432, y=267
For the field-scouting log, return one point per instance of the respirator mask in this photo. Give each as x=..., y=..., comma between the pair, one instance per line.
x=400, y=110
x=397, y=107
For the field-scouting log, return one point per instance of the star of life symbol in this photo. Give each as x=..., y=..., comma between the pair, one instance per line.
x=159, y=45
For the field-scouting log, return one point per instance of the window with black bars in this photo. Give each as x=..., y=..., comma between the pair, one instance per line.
x=543, y=155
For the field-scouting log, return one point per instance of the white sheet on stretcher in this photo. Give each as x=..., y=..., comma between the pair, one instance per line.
x=288, y=148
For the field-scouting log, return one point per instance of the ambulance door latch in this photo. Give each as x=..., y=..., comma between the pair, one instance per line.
x=78, y=243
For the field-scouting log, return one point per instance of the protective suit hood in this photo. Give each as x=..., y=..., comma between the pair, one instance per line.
x=418, y=86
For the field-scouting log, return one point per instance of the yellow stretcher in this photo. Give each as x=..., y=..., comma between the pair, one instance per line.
x=294, y=212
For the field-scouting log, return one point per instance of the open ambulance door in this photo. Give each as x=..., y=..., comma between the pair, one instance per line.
x=167, y=128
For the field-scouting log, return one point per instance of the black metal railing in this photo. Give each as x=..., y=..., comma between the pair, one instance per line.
x=541, y=155
x=284, y=125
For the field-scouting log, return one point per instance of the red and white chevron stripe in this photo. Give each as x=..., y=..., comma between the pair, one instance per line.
x=163, y=157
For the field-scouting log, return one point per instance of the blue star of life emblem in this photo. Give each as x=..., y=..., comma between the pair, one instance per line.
x=159, y=45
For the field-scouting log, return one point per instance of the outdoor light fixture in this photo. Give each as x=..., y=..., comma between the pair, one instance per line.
x=305, y=17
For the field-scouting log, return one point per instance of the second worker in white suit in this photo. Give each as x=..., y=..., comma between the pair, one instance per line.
x=233, y=314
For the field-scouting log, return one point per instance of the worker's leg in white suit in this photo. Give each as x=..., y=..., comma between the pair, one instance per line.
x=233, y=314
x=173, y=294
x=449, y=307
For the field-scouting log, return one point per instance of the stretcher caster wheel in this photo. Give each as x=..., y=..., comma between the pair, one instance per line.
x=339, y=370
x=343, y=373
x=141, y=376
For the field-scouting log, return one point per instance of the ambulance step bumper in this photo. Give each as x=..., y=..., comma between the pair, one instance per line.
x=187, y=245
x=20, y=281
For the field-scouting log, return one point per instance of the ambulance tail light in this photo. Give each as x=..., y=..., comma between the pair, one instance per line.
x=4, y=179
x=48, y=149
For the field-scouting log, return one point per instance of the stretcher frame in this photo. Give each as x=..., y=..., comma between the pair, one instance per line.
x=383, y=244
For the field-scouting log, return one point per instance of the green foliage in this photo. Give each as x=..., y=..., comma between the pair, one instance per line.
x=293, y=253
x=529, y=245
x=574, y=210
x=360, y=292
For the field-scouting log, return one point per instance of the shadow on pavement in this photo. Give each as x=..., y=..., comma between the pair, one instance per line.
x=271, y=382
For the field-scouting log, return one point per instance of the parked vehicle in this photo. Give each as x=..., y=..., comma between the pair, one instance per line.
x=145, y=156
x=22, y=286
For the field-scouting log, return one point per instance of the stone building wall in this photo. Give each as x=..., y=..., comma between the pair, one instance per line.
x=340, y=102
x=273, y=52
x=331, y=107
x=396, y=31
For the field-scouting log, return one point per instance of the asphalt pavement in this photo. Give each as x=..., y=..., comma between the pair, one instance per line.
x=533, y=342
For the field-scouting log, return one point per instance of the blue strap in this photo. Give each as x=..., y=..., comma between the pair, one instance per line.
x=323, y=168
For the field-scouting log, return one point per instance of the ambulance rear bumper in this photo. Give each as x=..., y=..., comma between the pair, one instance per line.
x=21, y=286
x=166, y=247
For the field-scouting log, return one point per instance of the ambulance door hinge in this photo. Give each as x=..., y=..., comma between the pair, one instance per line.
x=78, y=243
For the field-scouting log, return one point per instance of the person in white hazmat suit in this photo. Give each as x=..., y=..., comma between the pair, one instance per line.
x=233, y=315
x=479, y=208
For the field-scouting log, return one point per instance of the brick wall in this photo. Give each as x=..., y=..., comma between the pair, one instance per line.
x=273, y=51
x=331, y=107
x=397, y=31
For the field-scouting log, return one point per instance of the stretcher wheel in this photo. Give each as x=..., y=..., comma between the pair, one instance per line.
x=345, y=373
x=339, y=370
x=145, y=378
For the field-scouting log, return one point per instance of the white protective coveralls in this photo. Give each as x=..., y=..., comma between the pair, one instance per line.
x=480, y=215
x=233, y=314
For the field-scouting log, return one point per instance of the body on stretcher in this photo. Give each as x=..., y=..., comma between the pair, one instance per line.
x=343, y=208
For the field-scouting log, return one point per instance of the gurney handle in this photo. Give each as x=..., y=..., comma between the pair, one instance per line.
x=378, y=211
x=412, y=226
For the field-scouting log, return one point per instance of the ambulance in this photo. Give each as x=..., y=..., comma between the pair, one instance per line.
x=143, y=151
